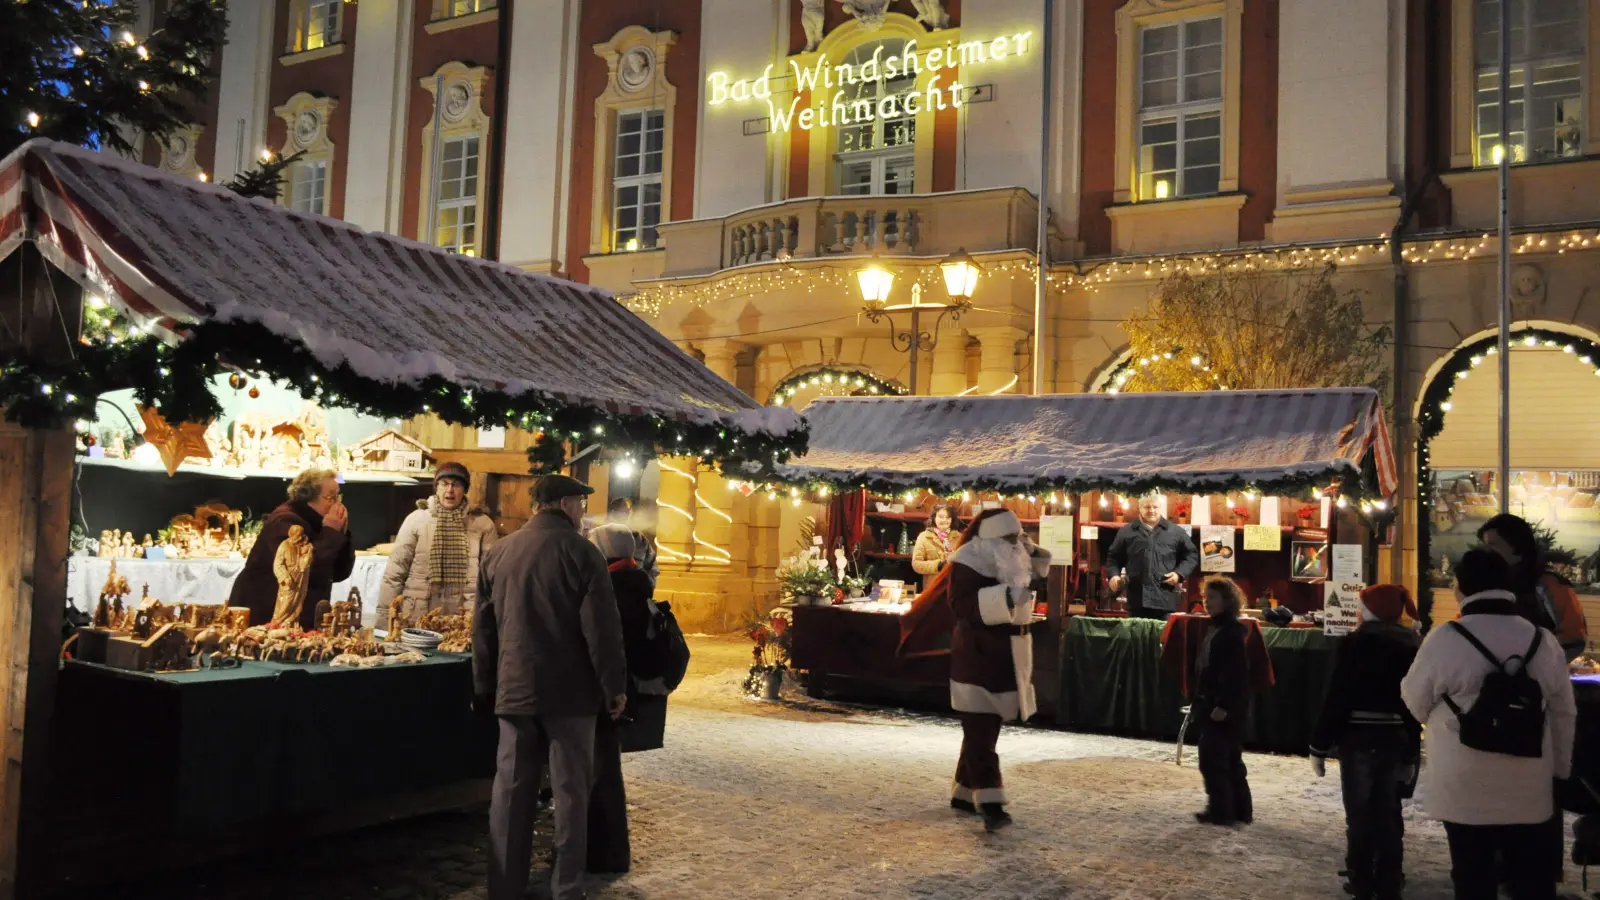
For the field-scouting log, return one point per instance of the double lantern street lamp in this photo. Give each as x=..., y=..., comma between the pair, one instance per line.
x=961, y=273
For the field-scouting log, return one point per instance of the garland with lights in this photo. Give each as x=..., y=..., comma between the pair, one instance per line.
x=1436, y=402
x=1128, y=368
x=857, y=380
x=178, y=379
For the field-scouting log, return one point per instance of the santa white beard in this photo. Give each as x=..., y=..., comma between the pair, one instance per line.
x=1012, y=565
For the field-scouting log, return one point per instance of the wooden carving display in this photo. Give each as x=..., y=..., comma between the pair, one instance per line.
x=108, y=612
x=210, y=532
x=390, y=451
x=292, y=567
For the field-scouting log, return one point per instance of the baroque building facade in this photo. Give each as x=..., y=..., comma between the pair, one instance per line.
x=727, y=167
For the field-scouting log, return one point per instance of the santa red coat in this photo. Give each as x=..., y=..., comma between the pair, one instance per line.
x=991, y=651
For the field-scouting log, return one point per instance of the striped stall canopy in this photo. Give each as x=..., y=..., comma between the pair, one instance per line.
x=1201, y=442
x=169, y=251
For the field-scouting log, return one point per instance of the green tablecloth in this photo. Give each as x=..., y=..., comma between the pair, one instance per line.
x=1111, y=678
x=235, y=748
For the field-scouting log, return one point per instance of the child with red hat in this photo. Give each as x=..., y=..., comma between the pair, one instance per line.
x=1366, y=724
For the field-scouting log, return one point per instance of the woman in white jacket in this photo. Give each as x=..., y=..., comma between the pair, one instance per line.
x=1494, y=806
x=434, y=563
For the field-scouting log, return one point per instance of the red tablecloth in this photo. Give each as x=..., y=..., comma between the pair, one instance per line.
x=1180, y=650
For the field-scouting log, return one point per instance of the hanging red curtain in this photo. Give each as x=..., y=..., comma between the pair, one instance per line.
x=847, y=521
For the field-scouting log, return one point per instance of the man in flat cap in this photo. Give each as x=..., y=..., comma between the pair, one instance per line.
x=547, y=658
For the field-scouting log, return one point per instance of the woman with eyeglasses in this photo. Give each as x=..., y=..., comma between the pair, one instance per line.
x=315, y=506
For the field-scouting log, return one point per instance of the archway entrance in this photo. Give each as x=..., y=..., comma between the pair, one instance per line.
x=1555, y=448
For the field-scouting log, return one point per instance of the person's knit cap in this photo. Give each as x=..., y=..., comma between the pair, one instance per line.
x=615, y=541
x=1388, y=601
x=453, y=470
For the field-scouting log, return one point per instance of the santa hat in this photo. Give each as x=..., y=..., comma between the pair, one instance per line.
x=1002, y=524
x=1388, y=601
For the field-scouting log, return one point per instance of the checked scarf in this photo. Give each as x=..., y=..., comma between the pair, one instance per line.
x=447, y=558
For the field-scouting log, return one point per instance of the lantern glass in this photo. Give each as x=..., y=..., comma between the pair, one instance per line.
x=960, y=275
x=875, y=283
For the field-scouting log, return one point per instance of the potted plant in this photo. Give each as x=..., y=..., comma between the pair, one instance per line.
x=770, y=656
x=807, y=584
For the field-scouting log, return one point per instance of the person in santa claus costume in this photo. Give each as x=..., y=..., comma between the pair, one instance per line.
x=991, y=653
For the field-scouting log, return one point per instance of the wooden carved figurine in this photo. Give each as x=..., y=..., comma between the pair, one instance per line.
x=292, y=567
x=397, y=621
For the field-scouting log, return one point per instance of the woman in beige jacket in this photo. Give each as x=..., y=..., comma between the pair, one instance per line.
x=935, y=544
x=434, y=563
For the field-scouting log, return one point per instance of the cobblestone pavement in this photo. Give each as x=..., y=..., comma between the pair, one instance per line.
x=753, y=800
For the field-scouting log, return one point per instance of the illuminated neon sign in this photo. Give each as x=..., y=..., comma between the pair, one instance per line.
x=844, y=107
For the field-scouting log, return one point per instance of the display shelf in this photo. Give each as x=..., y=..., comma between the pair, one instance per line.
x=899, y=517
x=1286, y=529
x=237, y=474
x=879, y=554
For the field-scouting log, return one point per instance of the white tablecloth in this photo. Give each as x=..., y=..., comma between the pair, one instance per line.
x=203, y=581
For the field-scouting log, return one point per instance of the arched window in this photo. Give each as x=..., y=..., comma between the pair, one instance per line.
x=877, y=152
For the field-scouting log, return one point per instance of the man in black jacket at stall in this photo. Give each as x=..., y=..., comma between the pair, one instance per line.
x=1154, y=558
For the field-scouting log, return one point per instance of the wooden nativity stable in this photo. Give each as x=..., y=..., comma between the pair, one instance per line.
x=134, y=768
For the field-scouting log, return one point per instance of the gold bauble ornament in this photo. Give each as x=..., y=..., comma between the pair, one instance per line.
x=236, y=381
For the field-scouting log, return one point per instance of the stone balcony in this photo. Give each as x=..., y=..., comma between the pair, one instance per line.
x=818, y=227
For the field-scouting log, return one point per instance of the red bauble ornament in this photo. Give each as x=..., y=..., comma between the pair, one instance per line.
x=89, y=440
x=255, y=393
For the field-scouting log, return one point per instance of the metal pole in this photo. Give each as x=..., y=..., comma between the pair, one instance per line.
x=916, y=345
x=1042, y=250
x=432, y=237
x=1503, y=475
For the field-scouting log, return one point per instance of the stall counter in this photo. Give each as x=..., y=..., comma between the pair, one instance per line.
x=219, y=761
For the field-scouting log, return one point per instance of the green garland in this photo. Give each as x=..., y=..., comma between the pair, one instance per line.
x=178, y=380
x=1299, y=486
x=862, y=379
x=1430, y=420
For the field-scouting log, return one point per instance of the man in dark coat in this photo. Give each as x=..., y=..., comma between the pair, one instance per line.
x=547, y=658
x=315, y=506
x=1153, y=557
x=1379, y=743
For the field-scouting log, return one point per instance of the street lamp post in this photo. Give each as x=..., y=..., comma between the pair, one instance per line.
x=961, y=274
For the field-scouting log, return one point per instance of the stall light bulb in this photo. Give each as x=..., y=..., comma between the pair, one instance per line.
x=1316, y=492
x=81, y=425
x=1340, y=503
x=772, y=495
x=795, y=501
x=1250, y=496
x=1067, y=503
x=822, y=491
x=1380, y=504
x=623, y=469
x=33, y=119
x=147, y=454
x=1104, y=503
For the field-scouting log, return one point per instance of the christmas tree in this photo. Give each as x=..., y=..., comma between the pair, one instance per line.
x=75, y=72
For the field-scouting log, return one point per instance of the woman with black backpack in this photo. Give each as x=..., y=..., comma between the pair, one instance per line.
x=1493, y=691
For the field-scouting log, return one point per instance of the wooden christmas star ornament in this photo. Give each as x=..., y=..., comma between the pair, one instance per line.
x=186, y=441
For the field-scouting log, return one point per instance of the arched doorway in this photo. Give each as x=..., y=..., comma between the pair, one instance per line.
x=1555, y=446
x=807, y=383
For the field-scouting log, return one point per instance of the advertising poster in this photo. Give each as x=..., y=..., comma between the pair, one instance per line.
x=1263, y=537
x=1346, y=562
x=1216, y=548
x=1341, y=607
x=1308, y=561
x=1055, y=535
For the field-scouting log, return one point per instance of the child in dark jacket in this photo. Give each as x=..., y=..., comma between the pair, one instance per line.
x=1221, y=704
x=1378, y=742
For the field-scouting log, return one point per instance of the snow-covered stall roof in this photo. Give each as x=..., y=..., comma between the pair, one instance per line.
x=1217, y=440
x=170, y=251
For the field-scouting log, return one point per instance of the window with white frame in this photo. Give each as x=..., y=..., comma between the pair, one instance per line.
x=450, y=9
x=318, y=24
x=1545, y=109
x=636, y=179
x=308, y=186
x=877, y=155
x=1180, y=109
x=456, y=206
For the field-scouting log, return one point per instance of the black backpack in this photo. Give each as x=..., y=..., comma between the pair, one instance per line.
x=1508, y=716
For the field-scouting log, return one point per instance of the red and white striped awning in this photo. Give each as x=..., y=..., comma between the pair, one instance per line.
x=169, y=251
x=1202, y=441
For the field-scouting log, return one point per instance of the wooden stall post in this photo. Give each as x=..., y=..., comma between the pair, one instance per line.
x=42, y=312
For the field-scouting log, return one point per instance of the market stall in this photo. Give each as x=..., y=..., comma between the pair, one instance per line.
x=1280, y=490
x=202, y=732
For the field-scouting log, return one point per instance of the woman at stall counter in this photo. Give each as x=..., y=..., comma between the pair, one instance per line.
x=935, y=544
x=434, y=563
